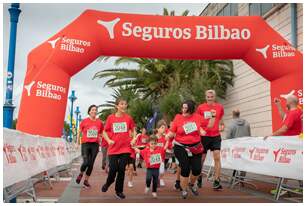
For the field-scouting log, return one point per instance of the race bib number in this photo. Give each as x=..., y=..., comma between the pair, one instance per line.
x=119, y=127
x=190, y=127
x=155, y=159
x=207, y=115
x=92, y=133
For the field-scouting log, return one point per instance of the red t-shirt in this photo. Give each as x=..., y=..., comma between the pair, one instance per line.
x=154, y=158
x=142, y=140
x=104, y=143
x=161, y=142
x=118, y=130
x=187, y=129
x=204, y=111
x=91, y=130
x=170, y=144
x=294, y=121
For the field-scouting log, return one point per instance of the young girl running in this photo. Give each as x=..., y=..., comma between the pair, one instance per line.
x=120, y=134
x=153, y=157
x=161, y=142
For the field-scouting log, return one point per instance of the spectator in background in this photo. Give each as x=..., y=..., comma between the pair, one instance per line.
x=292, y=125
x=238, y=128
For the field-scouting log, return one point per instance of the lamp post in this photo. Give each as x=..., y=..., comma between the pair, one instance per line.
x=8, y=107
x=79, y=120
x=77, y=112
x=72, y=98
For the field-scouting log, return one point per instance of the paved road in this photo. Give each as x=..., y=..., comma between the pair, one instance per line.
x=67, y=190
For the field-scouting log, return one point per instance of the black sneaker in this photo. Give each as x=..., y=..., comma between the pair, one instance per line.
x=177, y=186
x=120, y=195
x=79, y=178
x=199, y=182
x=217, y=185
x=86, y=184
x=104, y=188
x=194, y=189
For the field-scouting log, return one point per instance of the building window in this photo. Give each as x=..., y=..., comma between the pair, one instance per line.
x=260, y=9
x=229, y=10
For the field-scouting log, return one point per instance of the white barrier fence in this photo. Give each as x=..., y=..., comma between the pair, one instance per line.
x=27, y=155
x=277, y=156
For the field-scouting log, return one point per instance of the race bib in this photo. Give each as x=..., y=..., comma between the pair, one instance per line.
x=155, y=159
x=160, y=144
x=92, y=133
x=144, y=140
x=119, y=127
x=190, y=127
x=207, y=115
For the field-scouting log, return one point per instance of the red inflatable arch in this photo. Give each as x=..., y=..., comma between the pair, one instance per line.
x=96, y=33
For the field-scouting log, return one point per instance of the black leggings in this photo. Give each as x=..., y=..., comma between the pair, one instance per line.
x=89, y=152
x=152, y=173
x=117, y=164
x=188, y=163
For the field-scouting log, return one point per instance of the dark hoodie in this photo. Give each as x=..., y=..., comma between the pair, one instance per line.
x=238, y=128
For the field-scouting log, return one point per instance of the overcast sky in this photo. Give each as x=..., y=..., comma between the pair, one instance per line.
x=38, y=22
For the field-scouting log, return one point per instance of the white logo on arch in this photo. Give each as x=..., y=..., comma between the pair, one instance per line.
x=263, y=51
x=109, y=25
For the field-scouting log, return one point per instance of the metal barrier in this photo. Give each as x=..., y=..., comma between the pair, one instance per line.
x=27, y=186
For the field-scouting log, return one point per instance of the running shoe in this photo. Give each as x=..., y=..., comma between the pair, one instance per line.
x=130, y=184
x=274, y=191
x=86, y=184
x=177, y=186
x=217, y=185
x=154, y=194
x=194, y=189
x=120, y=195
x=199, y=182
x=162, y=182
x=184, y=194
x=147, y=189
x=79, y=178
x=104, y=188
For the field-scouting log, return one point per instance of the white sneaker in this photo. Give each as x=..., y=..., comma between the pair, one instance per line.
x=154, y=194
x=130, y=184
x=147, y=189
x=162, y=182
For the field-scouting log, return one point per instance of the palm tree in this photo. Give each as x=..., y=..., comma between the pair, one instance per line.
x=156, y=79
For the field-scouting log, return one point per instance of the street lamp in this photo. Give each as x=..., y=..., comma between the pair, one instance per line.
x=72, y=98
x=77, y=112
x=8, y=107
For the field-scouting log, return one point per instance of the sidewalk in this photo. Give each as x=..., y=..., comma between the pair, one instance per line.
x=66, y=190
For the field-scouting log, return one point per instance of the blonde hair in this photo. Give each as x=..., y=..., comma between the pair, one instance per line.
x=211, y=91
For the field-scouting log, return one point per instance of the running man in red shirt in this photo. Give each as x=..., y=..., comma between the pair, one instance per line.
x=153, y=157
x=120, y=134
x=91, y=129
x=292, y=119
x=211, y=110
